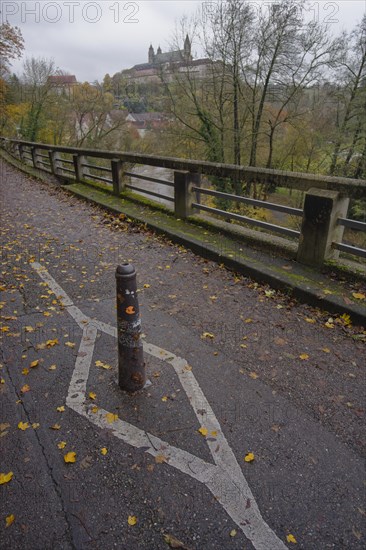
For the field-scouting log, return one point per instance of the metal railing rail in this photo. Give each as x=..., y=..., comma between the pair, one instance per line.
x=150, y=179
x=249, y=221
x=353, y=224
x=354, y=250
x=148, y=192
x=251, y=202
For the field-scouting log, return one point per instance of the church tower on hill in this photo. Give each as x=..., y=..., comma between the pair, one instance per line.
x=151, y=54
x=178, y=56
x=187, y=49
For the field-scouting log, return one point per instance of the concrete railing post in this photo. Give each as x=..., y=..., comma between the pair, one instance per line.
x=183, y=194
x=34, y=157
x=131, y=366
x=21, y=153
x=319, y=227
x=55, y=158
x=117, y=176
x=80, y=170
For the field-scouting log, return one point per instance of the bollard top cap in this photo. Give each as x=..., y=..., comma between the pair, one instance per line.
x=125, y=269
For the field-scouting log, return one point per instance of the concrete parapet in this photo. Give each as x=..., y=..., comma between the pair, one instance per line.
x=319, y=227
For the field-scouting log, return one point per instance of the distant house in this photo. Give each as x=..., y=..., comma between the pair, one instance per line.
x=146, y=121
x=62, y=84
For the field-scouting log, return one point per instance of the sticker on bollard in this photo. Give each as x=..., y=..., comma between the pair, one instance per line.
x=131, y=366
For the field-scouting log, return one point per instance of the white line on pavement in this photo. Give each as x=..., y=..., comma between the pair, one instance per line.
x=224, y=479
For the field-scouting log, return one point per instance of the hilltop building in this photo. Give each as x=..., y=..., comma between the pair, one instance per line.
x=169, y=63
x=62, y=84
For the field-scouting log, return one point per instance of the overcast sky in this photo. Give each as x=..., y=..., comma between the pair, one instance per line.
x=90, y=39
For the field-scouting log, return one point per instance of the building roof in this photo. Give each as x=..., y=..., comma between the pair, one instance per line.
x=147, y=117
x=62, y=79
x=142, y=66
x=169, y=57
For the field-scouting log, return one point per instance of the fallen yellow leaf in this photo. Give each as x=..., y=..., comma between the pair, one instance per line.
x=104, y=451
x=60, y=409
x=311, y=321
x=92, y=395
x=52, y=367
x=304, y=356
x=326, y=350
x=62, y=444
x=51, y=343
x=25, y=389
x=25, y=371
x=164, y=398
x=159, y=459
x=253, y=375
x=35, y=425
x=94, y=409
x=23, y=426
x=70, y=457
x=55, y=427
x=146, y=286
x=291, y=538
x=249, y=457
x=358, y=295
x=111, y=417
x=103, y=365
x=233, y=533
x=5, y=478
x=346, y=319
x=29, y=329
x=70, y=344
x=207, y=335
x=132, y=520
x=34, y=363
x=9, y=520
x=203, y=431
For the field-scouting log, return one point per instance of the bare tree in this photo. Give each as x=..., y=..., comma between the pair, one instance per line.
x=228, y=40
x=37, y=92
x=92, y=117
x=351, y=124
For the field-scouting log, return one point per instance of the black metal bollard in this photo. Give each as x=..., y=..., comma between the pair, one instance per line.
x=131, y=366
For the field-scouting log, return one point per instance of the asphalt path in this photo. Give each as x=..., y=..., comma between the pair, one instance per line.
x=236, y=370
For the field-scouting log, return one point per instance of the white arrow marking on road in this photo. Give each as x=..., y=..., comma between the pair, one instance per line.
x=224, y=479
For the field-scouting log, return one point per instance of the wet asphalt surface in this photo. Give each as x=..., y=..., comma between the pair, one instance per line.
x=284, y=380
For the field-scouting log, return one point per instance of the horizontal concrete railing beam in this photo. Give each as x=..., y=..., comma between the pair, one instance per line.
x=353, y=188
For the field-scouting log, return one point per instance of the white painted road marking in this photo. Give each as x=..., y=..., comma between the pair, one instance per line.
x=224, y=478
